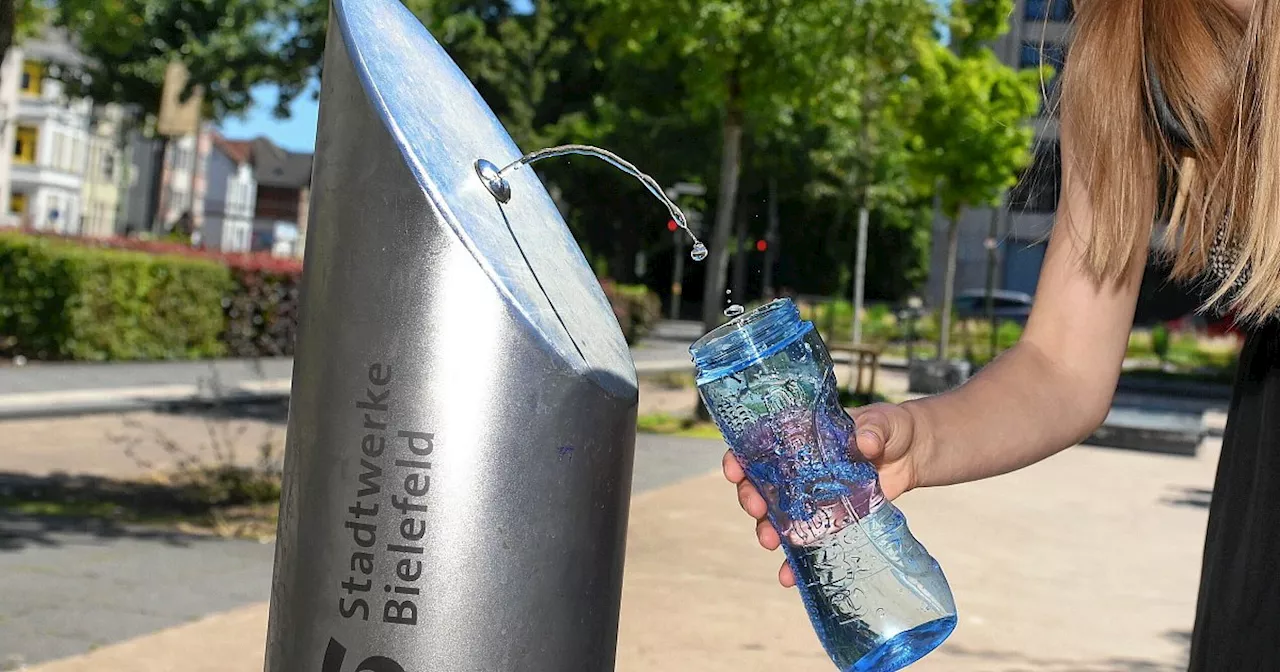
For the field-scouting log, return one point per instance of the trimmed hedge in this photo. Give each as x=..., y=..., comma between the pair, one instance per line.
x=260, y=309
x=136, y=299
x=60, y=300
x=637, y=308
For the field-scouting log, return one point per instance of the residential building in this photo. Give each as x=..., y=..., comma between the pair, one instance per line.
x=230, y=196
x=1038, y=34
x=50, y=140
x=102, y=192
x=182, y=184
x=10, y=78
x=284, y=195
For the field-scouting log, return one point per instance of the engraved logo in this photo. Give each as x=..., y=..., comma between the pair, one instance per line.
x=336, y=653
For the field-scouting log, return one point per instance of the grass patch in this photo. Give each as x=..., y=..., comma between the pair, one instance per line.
x=197, y=501
x=671, y=380
x=670, y=425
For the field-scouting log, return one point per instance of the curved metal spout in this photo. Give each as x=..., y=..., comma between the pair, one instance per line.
x=496, y=180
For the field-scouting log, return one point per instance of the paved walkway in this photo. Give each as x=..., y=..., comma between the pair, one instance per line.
x=70, y=588
x=1084, y=563
x=69, y=388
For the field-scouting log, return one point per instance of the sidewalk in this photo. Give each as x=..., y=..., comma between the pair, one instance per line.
x=73, y=388
x=1087, y=562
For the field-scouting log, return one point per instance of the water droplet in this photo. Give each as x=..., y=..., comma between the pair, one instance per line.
x=734, y=310
x=728, y=291
x=699, y=251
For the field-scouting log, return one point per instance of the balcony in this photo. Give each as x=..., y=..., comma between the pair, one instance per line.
x=29, y=176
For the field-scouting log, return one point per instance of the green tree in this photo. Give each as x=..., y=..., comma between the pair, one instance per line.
x=20, y=19
x=971, y=138
x=228, y=46
x=866, y=148
x=748, y=64
x=975, y=24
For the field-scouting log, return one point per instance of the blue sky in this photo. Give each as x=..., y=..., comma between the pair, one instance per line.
x=298, y=132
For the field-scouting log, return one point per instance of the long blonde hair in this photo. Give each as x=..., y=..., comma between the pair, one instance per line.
x=1221, y=80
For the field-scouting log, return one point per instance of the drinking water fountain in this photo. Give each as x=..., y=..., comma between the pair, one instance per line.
x=462, y=423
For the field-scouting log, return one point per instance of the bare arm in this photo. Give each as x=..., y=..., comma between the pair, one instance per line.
x=1052, y=389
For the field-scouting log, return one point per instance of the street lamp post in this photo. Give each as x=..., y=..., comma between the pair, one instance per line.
x=695, y=227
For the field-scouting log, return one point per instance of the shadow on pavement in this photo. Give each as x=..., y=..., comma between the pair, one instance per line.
x=1003, y=661
x=59, y=509
x=19, y=531
x=264, y=409
x=1194, y=497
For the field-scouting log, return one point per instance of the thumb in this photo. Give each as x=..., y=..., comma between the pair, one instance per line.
x=872, y=433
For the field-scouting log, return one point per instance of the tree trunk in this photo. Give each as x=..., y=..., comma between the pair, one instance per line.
x=156, y=202
x=948, y=288
x=771, y=252
x=860, y=271
x=739, y=262
x=718, y=264
x=8, y=24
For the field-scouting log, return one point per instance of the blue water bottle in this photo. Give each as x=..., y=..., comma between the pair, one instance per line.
x=877, y=600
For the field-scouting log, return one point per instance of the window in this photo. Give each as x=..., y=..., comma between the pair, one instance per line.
x=32, y=78
x=1035, y=54
x=1038, y=189
x=1050, y=10
x=1050, y=55
x=109, y=166
x=24, y=148
x=18, y=203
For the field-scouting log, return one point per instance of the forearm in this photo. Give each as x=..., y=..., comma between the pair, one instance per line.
x=1020, y=409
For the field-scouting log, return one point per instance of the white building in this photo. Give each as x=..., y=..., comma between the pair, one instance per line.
x=10, y=74
x=102, y=192
x=50, y=141
x=182, y=184
x=230, y=192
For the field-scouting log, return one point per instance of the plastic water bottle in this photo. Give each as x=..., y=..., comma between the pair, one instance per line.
x=877, y=600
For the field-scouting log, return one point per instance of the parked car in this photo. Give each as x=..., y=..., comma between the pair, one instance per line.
x=1010, y=306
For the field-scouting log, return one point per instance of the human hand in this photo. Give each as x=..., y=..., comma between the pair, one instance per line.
x=886, y=436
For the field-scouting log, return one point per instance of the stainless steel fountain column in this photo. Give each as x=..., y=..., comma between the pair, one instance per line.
x=462, y=425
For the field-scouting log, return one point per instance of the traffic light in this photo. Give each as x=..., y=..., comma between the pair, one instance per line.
x=672, y=226
x=762, y=245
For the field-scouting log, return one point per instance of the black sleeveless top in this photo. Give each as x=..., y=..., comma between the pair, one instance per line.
x=1222, y=253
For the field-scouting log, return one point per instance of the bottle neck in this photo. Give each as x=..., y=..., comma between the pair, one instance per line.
x=747, y=340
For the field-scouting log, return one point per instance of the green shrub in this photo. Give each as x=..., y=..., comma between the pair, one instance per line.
x=1160, y=341
x=834, y=320
x=139, y=299
x=637, y=308
x=59, y=300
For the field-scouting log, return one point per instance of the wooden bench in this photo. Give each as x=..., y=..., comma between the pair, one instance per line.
x=865, y=361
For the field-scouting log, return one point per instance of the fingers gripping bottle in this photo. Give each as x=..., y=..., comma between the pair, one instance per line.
x=877, y=600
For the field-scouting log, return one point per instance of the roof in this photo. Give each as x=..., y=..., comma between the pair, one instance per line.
x=240, y=151
x=278, y=167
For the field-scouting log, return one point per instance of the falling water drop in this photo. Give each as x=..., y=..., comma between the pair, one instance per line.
x=734, y=310
x=699, y=251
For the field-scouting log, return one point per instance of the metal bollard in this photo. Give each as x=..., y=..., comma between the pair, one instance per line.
x=462, y=425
